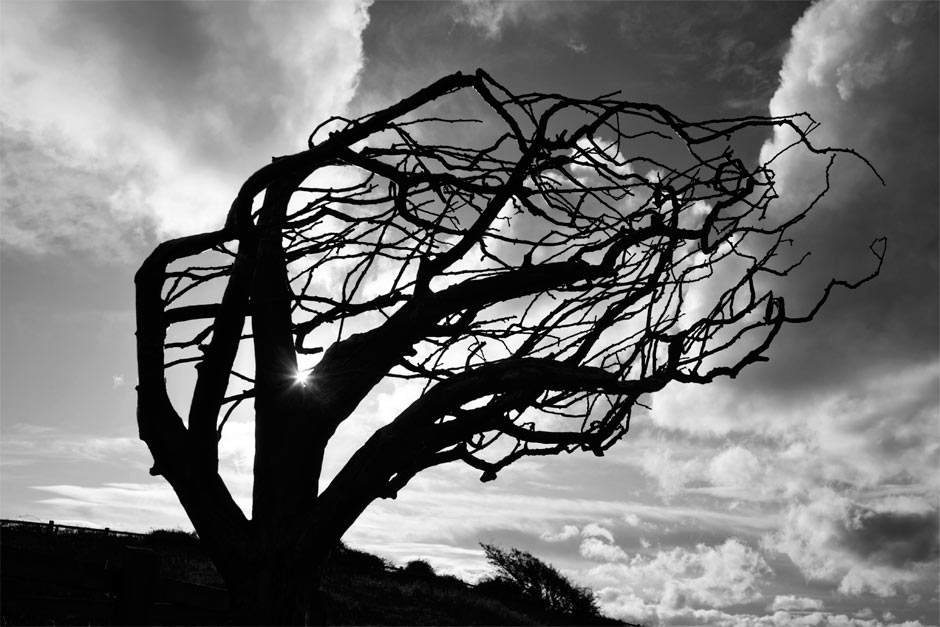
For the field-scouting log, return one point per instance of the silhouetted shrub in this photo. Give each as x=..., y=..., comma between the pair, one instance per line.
x=356, y=561
x=499, y=588
x=519, y=572
x=420, y=569
x=173, y=537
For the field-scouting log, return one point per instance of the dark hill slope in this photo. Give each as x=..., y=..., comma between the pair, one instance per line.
x=67, y=575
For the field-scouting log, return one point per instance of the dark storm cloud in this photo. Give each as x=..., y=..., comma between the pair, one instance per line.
x=876, y=91
x=739, y=44
x=881, y=549
x=163, y=45
x=701, y=59
x=895, y=539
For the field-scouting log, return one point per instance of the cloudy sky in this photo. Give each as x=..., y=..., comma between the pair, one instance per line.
x=805, y=492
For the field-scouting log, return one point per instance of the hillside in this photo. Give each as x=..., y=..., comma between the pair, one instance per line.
x=69, y=575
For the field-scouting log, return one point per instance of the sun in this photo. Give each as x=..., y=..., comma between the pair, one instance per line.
x=300, y=378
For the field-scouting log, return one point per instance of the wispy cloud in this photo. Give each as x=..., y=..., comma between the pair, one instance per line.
x=491, y=18
x=36, y=445
x=577, y=45
x=125, y=506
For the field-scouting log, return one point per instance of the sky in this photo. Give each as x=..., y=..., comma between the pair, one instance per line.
x=804, y=492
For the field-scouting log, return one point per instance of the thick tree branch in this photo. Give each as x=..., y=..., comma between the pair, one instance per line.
x=539, y=281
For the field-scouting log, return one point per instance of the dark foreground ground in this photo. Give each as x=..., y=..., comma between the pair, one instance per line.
x=54, y=575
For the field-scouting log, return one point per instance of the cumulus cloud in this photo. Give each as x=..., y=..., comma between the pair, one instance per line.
x=700, y=577
x=633, y=608
x=862, y=70
x=567, y=532
x=862, y=549
x=671, y=470
x=880, y=430
x=735, y=466
x=158, y=137
x=593, y=530
x=783, y=618
x=850, y=399
x=792, y=602
x=596, y=549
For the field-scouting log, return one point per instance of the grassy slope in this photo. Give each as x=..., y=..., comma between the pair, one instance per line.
x=359, y=588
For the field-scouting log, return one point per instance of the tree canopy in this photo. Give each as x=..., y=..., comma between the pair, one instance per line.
x=540, y=274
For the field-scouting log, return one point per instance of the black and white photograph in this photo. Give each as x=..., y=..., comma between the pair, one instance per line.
x=470, y=312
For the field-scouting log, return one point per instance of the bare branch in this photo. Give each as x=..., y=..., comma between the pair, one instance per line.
x=539, y=281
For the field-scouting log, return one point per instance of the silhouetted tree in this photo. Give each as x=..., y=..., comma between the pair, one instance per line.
x=532, y=579
x=541, y=279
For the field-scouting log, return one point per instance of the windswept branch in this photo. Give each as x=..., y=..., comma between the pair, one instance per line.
x=530, y=286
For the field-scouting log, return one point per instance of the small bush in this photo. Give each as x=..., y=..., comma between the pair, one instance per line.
x=173, y=537
x=356, y=561
x=420, y=569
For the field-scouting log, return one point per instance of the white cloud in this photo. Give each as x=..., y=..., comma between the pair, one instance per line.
x=157, y=136
x=704, y=576
x=29, y=444
x=598, y=544
x=593, y=530
x=114, y=504
x=863, y=550
x=567, y=532
x=671, y=473
x=792, y=602
x=735, y=466
x=633, y=608
x=872, y=433
x=125, y=506
x=630, y=607
x=829, y=409
x=598, y=550
x=864, y=613
x=594, y=153
x=236, y=460
x=838, y=55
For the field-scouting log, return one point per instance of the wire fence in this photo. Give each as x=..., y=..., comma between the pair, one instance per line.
x=53, y=573
x=53, y=527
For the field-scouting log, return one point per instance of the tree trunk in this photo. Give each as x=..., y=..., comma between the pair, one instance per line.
x=279, y=589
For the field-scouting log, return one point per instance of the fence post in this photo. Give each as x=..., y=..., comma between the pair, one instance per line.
x=137, y=585
x=51, y=527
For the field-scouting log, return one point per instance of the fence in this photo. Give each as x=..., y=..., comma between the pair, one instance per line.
x=109, y=579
